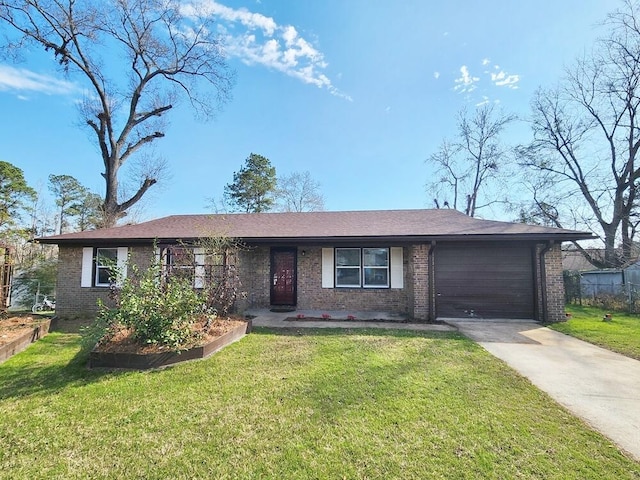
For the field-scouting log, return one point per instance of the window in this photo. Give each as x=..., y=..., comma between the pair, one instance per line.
x=348, y=267
x=362, y=267
x=376, y=267
x=106, y=263
x=179, y=262
x=199, y=265
x=103, y=266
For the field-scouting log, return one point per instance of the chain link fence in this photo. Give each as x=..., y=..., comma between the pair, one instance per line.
x=25, y=292
x=606, y=294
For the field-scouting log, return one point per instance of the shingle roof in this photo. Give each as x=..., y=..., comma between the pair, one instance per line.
x=575, y=261
x=309, y=226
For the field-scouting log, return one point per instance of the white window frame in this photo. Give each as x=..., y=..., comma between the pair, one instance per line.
x=196, y=270
x=361, y=268
x=375, y=267
x=90, y=270
x=349, y=267
x=100, y=268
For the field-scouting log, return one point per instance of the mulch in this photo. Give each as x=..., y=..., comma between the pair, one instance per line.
x=123, y=341
x=15, y=326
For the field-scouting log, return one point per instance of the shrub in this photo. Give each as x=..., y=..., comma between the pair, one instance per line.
x=161, y=303
x=157, y=310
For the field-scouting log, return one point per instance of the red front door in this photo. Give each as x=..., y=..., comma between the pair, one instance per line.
x=283, y=276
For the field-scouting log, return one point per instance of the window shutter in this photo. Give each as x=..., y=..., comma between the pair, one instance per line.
x=199, y=270
x=161, y=259
x=327, y=268
x=123, y=254
x=397, y=274
x=87, y=267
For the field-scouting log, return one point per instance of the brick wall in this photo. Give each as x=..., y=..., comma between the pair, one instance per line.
x=555, y=285
x=311, y=295
x=419, y=280
x=74, y=301
x=255, y=272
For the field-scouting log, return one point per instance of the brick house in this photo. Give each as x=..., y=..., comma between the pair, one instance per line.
x=426, y=264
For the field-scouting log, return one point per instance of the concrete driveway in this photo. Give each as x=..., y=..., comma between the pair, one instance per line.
x=599, y=386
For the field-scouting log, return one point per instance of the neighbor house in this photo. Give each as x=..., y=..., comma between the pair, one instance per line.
x=425, y=264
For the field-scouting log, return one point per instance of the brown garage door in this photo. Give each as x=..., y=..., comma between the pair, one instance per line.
x=484, y=281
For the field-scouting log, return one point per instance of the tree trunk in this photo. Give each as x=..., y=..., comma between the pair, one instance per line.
x=610, y=256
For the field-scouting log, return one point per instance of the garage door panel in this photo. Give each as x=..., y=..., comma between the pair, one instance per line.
x=483, y=291
x=493, y=280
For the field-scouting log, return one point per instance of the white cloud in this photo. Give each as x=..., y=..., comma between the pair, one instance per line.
x=22, y=80
x=290, y=34
x=253, y=21
x=502, y=79
x=466, y=83
x=436, y=75
x=258, y=40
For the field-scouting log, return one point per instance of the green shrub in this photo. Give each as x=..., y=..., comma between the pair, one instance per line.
x=157, y=310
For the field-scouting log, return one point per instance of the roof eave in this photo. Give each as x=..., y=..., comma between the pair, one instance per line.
x=558, y=237
x=530, y=237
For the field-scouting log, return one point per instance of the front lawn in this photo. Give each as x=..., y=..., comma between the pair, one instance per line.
x=621, y=334
x=322, y=404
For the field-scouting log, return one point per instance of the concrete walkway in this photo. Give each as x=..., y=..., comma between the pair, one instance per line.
x=599, y=386
x=338, y=319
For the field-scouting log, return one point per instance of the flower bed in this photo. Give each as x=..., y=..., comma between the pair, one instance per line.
x=111, y=356
x=17, y=333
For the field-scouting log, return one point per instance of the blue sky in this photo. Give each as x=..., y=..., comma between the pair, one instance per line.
x=357, y=92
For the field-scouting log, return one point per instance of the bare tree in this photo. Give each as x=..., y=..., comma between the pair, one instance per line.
x=299, y=192
x=166, y=50
x=587, y=136
x=218, y=204
x=466, y=165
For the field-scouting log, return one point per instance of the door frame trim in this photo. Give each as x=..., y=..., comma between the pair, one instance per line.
x=274, y=251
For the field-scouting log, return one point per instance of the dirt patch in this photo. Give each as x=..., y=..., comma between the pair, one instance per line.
x=15, y=326
x=123, y=341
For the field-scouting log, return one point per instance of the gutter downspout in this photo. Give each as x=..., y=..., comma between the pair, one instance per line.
x=543, y=282
x=431, y=280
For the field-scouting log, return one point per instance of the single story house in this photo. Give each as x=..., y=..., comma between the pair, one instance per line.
x=426, y=264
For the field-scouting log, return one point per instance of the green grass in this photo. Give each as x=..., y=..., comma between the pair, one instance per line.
x=320, y=404
x=621, y=334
